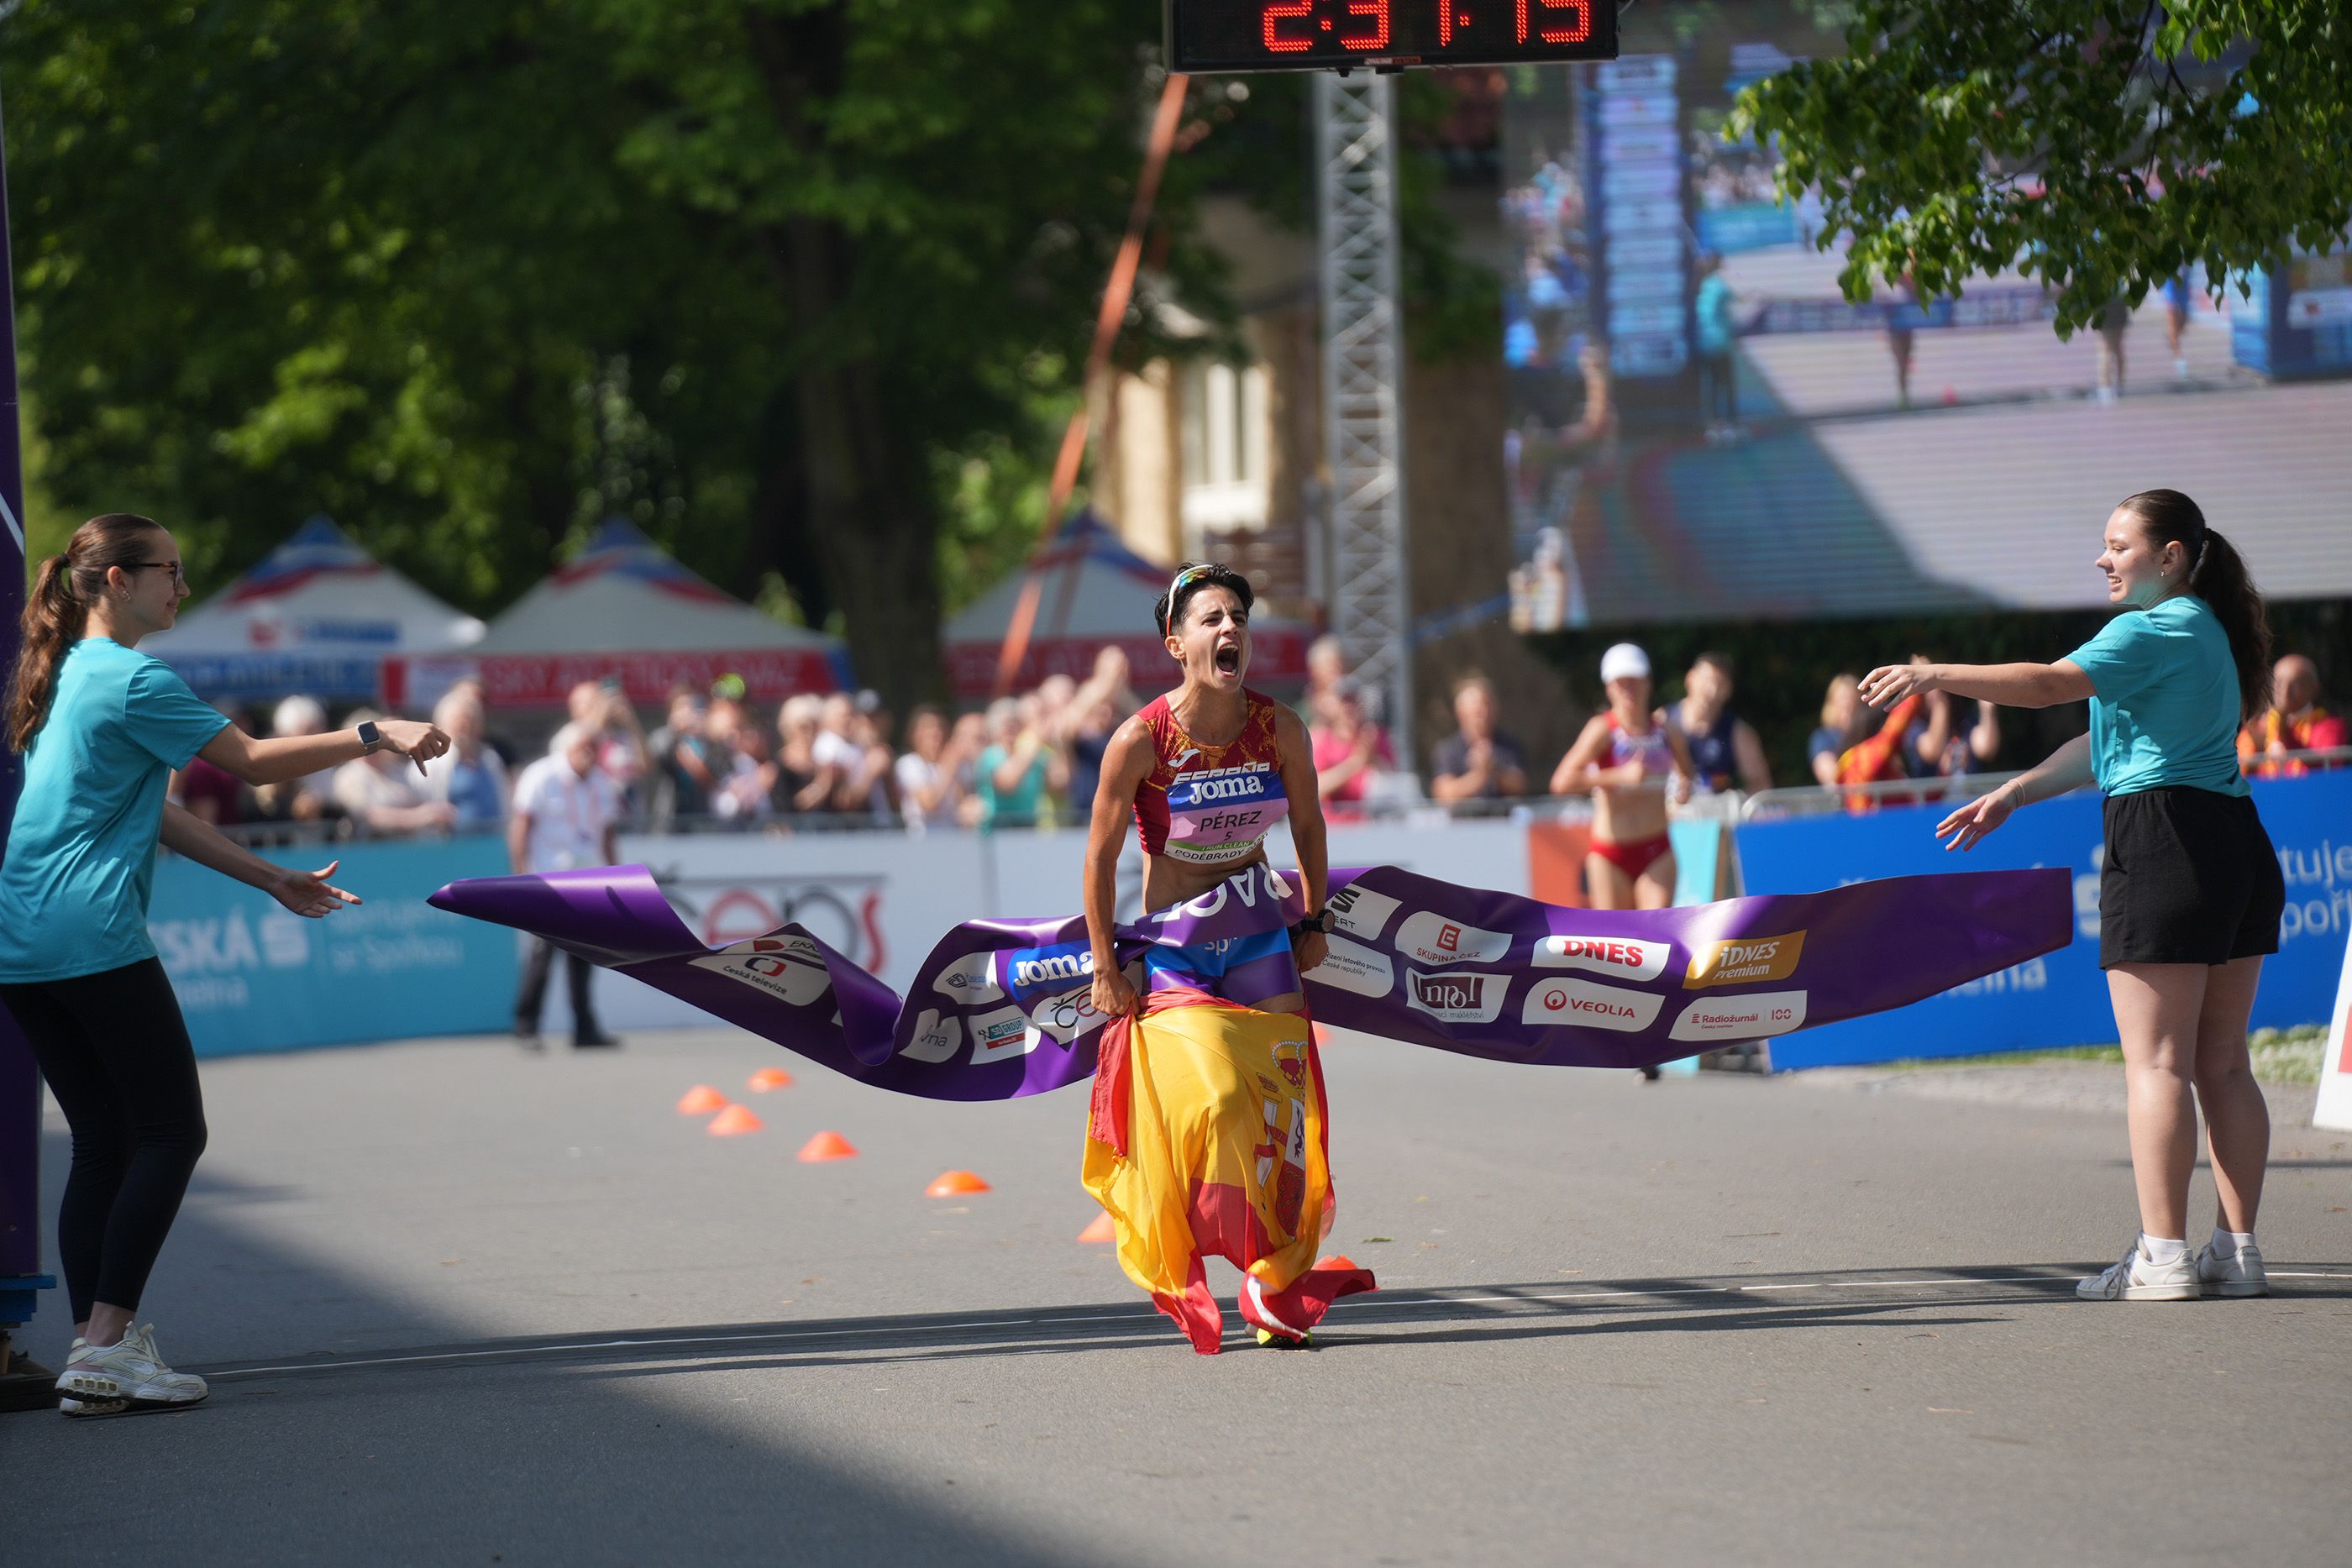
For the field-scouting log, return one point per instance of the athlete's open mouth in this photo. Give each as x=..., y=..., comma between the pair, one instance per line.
x=1229, y=660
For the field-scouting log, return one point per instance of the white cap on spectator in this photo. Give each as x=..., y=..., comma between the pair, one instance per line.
x=570, y=736
x=1622, y=660
x=299, y=715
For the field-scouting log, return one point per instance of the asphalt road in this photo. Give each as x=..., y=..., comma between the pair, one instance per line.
x=462, y=1306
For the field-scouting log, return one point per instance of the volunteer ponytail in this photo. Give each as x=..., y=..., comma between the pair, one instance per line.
x=57, y=608
x=2218, y=575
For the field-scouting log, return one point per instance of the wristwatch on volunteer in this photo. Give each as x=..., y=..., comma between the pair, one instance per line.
x=1319, y=921
x=370, y=737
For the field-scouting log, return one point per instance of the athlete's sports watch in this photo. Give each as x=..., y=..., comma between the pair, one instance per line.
x=1318, y=921
x=370, y=737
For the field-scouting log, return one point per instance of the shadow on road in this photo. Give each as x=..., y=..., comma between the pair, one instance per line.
x=1842, y=1299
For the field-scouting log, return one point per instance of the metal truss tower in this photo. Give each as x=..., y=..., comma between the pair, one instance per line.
x=1363, y=417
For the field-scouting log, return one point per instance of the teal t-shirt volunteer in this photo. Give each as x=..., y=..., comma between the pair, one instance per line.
x=81, y=861
x=2164, y=702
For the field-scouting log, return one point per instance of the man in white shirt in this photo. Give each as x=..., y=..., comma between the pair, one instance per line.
x=567, y=812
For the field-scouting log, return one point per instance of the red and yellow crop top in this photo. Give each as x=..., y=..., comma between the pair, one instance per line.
x=1211, y=805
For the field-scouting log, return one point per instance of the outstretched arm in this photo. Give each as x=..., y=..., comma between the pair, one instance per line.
x=2068, y=768
x=303, y=891
x=279, y=761
x=2010, y=686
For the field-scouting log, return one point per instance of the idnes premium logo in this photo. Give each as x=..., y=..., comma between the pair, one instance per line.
x=1746, y=961
x=1626, y=958
x=1458, y=998
x=1591, y=1006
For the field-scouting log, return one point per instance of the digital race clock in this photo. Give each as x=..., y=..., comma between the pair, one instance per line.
x=1321, y=34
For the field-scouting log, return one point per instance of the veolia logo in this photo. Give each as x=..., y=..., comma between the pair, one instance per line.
x=1588, y=1005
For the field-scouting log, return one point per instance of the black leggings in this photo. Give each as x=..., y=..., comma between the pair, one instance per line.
x=116, y=1054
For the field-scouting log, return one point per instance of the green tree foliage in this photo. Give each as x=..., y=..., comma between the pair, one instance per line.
x=759, y=273
x=2101, y=146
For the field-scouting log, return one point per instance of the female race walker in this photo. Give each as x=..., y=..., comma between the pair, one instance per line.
x=2190, y=893
x=101, y=727
x=1223, y=1093
x=1625, y=756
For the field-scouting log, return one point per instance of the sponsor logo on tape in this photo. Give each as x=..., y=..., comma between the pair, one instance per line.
x=970, y=980
x=1590, y=1004
x=1352, y=966
x=1626, y=957
x=1068, y=1015
x=1051, y=965
x=1002, y=1033
x=937, y=1037
x=1747, y=960
x=1360, y=912
x=784, y=966
x=1457, y=998
x=1735, y=1019
x=1435, y=939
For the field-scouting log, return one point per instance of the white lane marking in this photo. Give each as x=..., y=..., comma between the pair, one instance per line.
x=15, y=529
x=1138, y=1315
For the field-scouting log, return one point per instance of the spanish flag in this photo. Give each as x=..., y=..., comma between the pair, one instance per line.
x=1206, y=1138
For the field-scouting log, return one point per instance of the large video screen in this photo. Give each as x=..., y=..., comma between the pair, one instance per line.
x=1702, y=427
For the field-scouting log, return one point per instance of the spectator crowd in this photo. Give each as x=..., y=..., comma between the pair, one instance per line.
x=716, y=763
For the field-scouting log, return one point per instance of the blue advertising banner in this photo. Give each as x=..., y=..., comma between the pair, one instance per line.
x=2061, y=999
x=252, y=976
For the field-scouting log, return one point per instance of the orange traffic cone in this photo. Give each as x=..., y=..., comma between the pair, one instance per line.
x=826, y=1147
x=1102, y=1229
x=956, y=1184
x=769, y=1078
x=733, y=1119
x=700, y=1101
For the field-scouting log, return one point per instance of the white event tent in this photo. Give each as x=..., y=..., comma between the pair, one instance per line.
x=625, y=611
x=317, y=614
x=1093, y=592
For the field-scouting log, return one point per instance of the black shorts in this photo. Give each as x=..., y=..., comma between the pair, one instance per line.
x=2189, y=877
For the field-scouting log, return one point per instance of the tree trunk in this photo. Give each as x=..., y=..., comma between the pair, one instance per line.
x=870, y=518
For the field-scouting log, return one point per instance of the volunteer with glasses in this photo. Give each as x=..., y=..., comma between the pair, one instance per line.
x=103, y=727
x=2190, y=890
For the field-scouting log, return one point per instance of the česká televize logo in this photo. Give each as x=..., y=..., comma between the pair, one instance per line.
x=786, y=967
x=1747, y=960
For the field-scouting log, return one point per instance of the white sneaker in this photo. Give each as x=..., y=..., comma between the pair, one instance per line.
x=2239, y=1274
x=129, y=1373
x=72, y=1407
x=2139, y=1277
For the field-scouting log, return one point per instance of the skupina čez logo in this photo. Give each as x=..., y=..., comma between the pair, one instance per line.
x=1745, y=961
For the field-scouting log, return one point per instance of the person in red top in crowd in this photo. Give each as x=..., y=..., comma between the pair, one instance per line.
x=1350, y=750
x=2295, y=722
